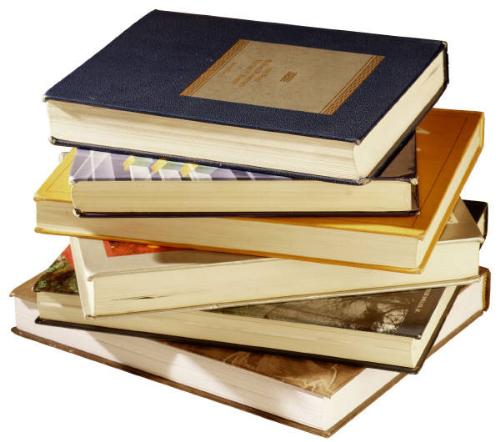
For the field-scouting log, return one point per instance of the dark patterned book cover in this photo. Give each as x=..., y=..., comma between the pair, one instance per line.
x=59, y=277
x=91, y=165
x=312, y=82
x=403, y=313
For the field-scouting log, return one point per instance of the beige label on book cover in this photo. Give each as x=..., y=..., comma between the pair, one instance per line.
x=284, y=76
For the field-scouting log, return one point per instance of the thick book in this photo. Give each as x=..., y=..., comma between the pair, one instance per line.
x=104, y=183
x=449, y=144
x=118, y=277
x=390, y=330
x=292, y=100
x=334, y=393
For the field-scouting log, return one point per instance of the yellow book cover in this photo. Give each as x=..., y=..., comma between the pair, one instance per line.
x=448, y=144
x=442, y=141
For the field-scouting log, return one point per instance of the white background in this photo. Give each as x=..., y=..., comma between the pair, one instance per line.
x=46, y=394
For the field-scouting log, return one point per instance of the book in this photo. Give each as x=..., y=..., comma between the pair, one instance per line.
x=391, y=330
x=104, y=183
x=320, y=396
x=449, y=143
x=479, y=212
x=269, y=97
x=118, y=277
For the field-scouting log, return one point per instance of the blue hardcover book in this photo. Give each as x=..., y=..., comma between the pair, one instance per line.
x=265, y=97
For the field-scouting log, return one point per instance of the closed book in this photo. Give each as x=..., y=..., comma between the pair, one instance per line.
x=392, y=330
x=114, y=184
x=285, y=99
x=449, y=143
x=118, y=277
x=479, y=211
x=306, y=393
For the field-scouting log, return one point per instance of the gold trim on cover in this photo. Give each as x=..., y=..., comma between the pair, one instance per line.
x=214, y=68
x=352, y=85
x=252, y=72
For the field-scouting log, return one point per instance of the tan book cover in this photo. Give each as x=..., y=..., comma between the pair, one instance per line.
x=281, y=76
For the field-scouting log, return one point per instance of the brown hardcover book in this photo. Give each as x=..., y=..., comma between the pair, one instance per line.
x=321, y=396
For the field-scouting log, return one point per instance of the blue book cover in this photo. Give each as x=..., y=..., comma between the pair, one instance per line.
x=323, y=90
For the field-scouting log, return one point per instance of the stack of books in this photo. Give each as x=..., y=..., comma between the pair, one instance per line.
x=265, y=215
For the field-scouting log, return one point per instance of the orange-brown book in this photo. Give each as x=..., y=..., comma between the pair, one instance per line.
x=448, y=144
x=310, y=394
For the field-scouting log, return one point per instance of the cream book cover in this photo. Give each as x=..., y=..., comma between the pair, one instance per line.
x=119, y=277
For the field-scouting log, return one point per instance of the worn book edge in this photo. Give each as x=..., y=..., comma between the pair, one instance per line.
x=270, y=416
